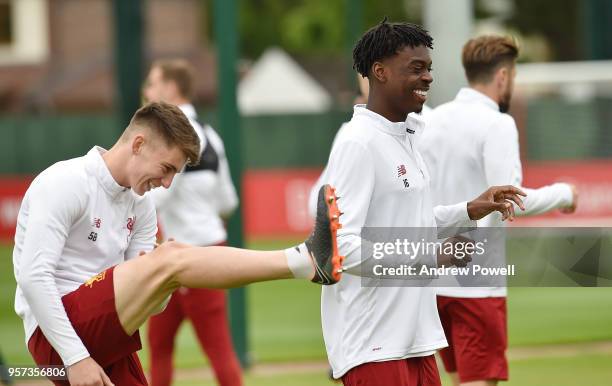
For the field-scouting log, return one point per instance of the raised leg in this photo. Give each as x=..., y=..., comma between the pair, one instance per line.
x=143, y=283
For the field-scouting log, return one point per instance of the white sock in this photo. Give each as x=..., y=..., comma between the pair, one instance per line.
x=300, y=262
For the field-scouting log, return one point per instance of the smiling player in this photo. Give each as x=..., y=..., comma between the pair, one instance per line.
x=85, y=284
x=388, y=335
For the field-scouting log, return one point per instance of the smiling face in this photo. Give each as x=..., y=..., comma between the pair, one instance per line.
x=152, y=163
x=404, y=80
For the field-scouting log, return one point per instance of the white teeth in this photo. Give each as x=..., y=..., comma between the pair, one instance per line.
x=422, y=93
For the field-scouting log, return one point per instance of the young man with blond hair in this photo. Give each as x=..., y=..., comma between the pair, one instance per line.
x=87, y=274
x=471, y=143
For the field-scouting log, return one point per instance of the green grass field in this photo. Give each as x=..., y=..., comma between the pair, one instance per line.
x=284, y=326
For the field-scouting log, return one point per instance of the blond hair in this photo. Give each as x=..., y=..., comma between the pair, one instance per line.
x=484, y=55
x=169, y=122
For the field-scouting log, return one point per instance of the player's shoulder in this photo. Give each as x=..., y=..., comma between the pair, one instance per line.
x=436, y=121
x=458, y=109
x=357, y=130
x=504, y=125
x=213, y=137
x=64, y=175
x=441, y=114
x=470, y=116
x=353, y=141
x=506, y=119
x=64, y=181
x=490, y=116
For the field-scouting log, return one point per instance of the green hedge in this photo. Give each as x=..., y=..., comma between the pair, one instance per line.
x=556, y=129
x=30, y=144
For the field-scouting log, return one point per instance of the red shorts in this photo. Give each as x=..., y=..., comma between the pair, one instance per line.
x=419, y=371
x=477, y=335
x=91, y=310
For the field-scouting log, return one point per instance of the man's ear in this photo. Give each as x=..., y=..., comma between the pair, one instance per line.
x=379, y=72
x=137, y=143
x=501, y=76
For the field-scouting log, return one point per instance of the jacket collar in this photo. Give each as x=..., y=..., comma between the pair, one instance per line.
x=409, y=126
x=96, y=166
x=468, y=94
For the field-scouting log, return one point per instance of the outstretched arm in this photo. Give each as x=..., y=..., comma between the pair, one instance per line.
x=560, y=196
x=455, y=219
x=502, y=164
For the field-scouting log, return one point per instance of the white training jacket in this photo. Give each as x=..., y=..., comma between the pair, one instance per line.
x=380, y=323
x=75, y=221
x=314, y=192
x=469, y=146
x=191, y=210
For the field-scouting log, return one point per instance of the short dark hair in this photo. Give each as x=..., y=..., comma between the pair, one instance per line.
x=483, y=55
x=169, y=122
x=385, y=40
x=178, y=71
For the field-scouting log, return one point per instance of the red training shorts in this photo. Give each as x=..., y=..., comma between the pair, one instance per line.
x=476, y=331
x=418, y=371
x=91, y=310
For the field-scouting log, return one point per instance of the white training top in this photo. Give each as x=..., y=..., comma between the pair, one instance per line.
x=469, y=146
x=314, y=192
x=190, y=210
x=75, y=221
x=363, y=324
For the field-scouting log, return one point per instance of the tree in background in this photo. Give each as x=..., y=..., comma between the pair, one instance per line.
x=558, y=21
x=309, y=27
x=318, y=27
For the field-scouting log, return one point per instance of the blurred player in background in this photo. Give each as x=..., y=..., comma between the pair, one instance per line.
x=388, y=335
x=192, y=211
x=471, y=143
x=87, y=273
